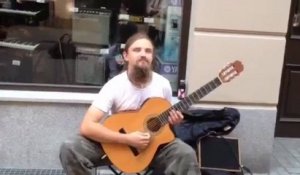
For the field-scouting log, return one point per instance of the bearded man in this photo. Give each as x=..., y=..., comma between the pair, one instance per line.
x=128, y=91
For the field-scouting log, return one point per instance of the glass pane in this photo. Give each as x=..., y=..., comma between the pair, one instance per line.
x=296, y=22
x=67, y=42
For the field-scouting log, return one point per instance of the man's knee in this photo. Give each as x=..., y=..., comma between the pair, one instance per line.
x=188, y=152
x=68, y=147
x=185, y=151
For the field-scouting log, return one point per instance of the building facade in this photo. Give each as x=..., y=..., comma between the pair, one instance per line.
x=34, y=121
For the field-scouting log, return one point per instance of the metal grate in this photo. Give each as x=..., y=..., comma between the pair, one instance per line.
x=12, y=171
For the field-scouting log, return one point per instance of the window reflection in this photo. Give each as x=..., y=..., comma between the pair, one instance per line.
x=296, y=22
x=80, y=42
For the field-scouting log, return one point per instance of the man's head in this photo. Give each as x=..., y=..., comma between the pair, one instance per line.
x=138, y=54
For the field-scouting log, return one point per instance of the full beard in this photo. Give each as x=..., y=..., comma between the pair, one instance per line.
x=141, y=74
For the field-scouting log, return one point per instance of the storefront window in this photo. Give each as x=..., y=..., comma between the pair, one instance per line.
x=79, y=42
x=295, y=33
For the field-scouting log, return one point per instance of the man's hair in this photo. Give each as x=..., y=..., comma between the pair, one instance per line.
x=135, y=37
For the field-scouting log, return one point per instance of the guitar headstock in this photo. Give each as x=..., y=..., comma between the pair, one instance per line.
x=230, y=71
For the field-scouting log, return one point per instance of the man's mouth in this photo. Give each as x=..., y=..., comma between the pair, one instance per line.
x=145, y=60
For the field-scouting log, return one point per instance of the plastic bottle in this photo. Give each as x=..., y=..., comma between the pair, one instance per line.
x=181, y=89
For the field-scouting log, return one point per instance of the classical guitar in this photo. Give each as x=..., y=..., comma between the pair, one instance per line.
x=152, y=117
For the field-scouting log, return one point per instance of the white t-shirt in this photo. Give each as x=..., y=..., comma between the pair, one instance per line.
x=119, y=94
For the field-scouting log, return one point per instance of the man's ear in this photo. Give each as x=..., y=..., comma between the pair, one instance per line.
x=125, y=55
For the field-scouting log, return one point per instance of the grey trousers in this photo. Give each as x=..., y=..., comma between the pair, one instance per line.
x=79, y=156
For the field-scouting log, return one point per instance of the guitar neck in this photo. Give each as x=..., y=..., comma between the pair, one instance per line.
x=191, y=99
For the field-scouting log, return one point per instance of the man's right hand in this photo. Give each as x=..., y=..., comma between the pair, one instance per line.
x=139, y=140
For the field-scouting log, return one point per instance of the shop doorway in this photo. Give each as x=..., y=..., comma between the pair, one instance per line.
x=288, y=117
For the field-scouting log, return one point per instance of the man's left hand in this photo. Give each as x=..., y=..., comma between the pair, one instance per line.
x=175, y=117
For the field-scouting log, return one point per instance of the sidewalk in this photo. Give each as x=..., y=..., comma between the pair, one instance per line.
x=286, y=157
x=285, y=161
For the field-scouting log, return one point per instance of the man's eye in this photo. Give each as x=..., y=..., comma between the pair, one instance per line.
x=137, y=49
x=148, y=50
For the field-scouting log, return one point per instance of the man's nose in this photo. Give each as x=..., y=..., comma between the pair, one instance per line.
x=143, y=52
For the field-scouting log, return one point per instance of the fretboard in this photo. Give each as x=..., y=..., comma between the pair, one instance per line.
x=191, y=99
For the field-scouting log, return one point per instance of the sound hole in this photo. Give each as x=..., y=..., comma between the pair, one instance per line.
x=153, y=124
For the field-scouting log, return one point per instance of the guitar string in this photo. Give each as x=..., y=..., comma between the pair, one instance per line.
x=163, y=118
x=189, y=100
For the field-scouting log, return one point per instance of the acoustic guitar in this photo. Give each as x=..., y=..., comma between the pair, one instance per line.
x=152, y=117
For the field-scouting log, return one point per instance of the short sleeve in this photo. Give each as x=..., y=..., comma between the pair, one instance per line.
x=104, y=99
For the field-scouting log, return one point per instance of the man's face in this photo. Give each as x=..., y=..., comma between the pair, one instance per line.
x=139, y=54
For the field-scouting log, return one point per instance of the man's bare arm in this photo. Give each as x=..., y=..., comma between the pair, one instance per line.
x=93, y=129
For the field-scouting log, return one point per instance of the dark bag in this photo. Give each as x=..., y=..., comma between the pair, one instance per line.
x=199, y=123
x=64, y=55
x=64, y=48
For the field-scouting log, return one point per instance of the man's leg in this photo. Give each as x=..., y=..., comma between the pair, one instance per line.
x=79, y=156
x=176, y=158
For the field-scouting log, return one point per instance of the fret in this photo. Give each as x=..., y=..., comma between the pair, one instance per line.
x=202, y=92
x=196, y=92
x=193, y=98
x=196, y=97
x=184, y=101
x=179, y=106
x=183, y=105
x=199, y=93
x=160, y=120
x=165, y=117
x=214, y=83
x=207, y=88
x=188, y=100
x=210, y=86
x=173, y=108
x=217, y=81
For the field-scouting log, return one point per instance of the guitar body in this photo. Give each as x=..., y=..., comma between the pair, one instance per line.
x=129, y=159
